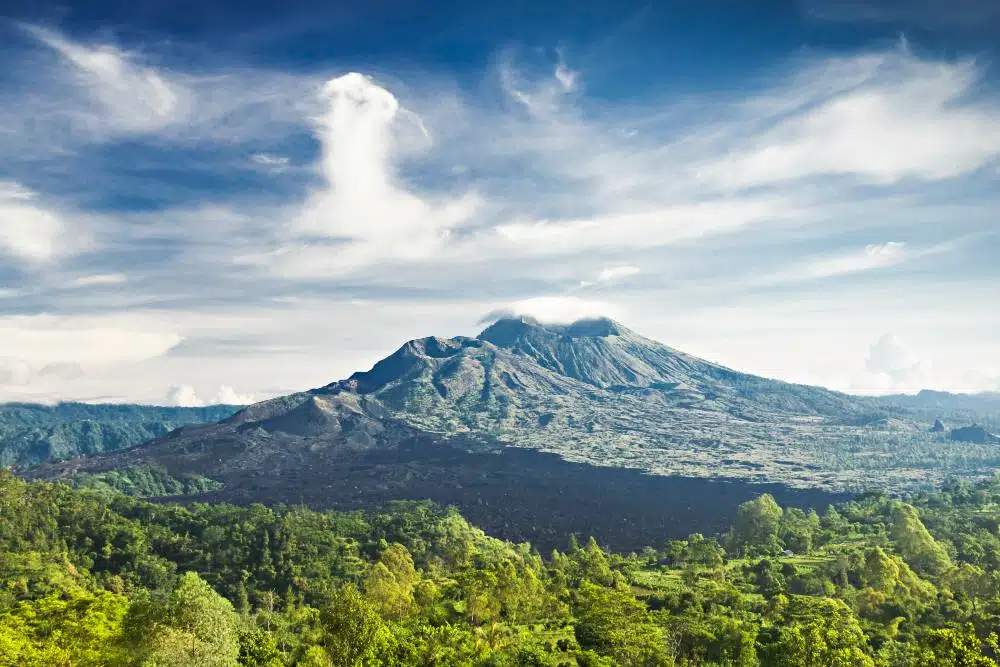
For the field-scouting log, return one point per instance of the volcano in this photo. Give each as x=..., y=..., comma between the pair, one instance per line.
x=463, y=419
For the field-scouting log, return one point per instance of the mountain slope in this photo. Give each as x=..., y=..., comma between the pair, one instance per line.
x=592, y=392
x=31, y=434
x=598, y=393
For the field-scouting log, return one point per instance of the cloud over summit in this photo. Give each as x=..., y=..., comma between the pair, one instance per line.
x=276, y=213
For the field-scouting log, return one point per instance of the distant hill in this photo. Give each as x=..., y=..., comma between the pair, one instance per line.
x=31, y=434
x=942, y=401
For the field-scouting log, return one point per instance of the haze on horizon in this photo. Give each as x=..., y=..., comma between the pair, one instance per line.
x=204, y=203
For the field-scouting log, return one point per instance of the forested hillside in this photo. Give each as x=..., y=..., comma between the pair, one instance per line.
x=92, y=577
x=31, y=434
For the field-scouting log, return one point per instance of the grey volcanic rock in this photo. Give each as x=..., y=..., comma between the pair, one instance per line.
x=286, y=436
x=590, y=392
x=974, y=434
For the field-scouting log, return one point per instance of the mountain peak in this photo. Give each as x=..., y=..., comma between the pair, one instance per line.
x=507, y=331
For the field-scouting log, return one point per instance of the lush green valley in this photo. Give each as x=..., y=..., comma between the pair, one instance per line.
x=31, y=434
x=89, y=576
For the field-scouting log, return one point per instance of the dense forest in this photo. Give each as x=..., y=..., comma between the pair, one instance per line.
x=31, y=434
x=90, y=576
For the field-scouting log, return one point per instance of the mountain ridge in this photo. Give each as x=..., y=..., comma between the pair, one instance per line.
x=528, y=429
x=595, y=392
x=33, y=433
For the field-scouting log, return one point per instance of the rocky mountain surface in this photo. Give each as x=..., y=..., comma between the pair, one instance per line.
x=592, y=392
x=975, y=434
x=527, y=423
x=31, y=434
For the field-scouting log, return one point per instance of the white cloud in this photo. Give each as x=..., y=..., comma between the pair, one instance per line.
x=28, y=231
x=896, y=366
x=890, y=118
x=185, y=396
x=90, y=342
x=871, y=257
x=664, y=226
x=458, y=201
x=274, y=163
x=566, y=77
x=616, y=273
x=612, y=274
x=99, y=279
x=555, y=310
x=18, y=374
x=542, y=98
x=132, y=97
x=15, y=371
x=362, y=210
x=874, y=256
x=229, y=396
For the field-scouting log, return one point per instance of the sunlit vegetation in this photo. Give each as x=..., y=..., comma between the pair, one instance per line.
x=91, y=577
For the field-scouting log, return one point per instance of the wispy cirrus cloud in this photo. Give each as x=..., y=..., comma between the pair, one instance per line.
x=457, y=200
x=611, y=274
x=127, y=97
x=872, y=257
x=903, y=118
x=97, y=279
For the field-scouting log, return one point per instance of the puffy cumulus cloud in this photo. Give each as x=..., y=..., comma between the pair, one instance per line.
x=129, y=97
x=460, y=201
x=22, y=380
x=363, y=213
x=15, y=371
x=230, y=396
x=185, y=396
x=897, y=365
x=30, y=232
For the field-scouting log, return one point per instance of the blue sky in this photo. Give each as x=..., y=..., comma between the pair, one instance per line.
x=218, y=201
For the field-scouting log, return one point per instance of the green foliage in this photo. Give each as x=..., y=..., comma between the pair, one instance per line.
x=143, y=482
x=193, y=626
x=32, y=434
x=950, y=647
x=756, y=524
x=82, y=629
x=95, y=578
x=915, y=544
